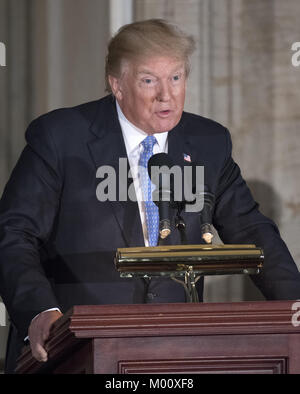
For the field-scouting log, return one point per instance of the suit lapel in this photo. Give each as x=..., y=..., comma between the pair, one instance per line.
x=107, y=147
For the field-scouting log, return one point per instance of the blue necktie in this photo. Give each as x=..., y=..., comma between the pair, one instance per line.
x=152, y=215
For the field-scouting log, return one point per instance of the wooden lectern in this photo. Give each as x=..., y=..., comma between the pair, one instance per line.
x=244, y=337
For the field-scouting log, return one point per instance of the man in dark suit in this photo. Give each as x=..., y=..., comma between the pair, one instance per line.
x=57, y=240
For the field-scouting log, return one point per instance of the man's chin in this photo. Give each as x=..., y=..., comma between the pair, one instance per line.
x=166, y=125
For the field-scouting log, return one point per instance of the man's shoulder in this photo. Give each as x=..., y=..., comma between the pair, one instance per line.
x=198, y=125
x=85, y=112
x=63, y=121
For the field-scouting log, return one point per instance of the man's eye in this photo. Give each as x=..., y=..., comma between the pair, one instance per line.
x=176, y=77
x=147, y=81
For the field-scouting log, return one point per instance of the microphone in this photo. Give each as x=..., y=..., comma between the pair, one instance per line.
x=206, y=216
x=159, y=166
x=200, y=196
x=159, y=170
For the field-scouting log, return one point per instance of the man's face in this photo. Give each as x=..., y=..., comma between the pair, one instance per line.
x=151, y=93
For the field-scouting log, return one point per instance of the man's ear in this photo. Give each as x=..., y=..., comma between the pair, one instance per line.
x=115, y=87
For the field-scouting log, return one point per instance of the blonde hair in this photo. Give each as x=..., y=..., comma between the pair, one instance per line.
x=145, y=39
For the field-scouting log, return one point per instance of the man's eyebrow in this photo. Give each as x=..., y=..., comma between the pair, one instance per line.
x=145, y=71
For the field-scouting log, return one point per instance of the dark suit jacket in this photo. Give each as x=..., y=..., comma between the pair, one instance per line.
x=57, y=241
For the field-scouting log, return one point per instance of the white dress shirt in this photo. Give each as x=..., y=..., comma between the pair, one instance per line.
x=133, y=136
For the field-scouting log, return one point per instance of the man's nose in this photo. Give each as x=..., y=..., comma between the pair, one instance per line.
x=164, y=93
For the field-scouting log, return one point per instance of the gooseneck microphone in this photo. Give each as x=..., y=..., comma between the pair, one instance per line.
x=206, y=215
x=159, y=166
x=159, y=170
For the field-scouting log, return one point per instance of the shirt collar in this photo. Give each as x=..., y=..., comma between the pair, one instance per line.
x=133, y=136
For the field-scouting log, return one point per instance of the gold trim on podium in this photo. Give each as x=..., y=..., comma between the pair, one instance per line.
x=177, y=260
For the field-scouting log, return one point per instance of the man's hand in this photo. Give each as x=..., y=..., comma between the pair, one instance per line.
x=38, y=332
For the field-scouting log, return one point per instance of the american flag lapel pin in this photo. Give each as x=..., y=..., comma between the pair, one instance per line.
x=187, y=158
